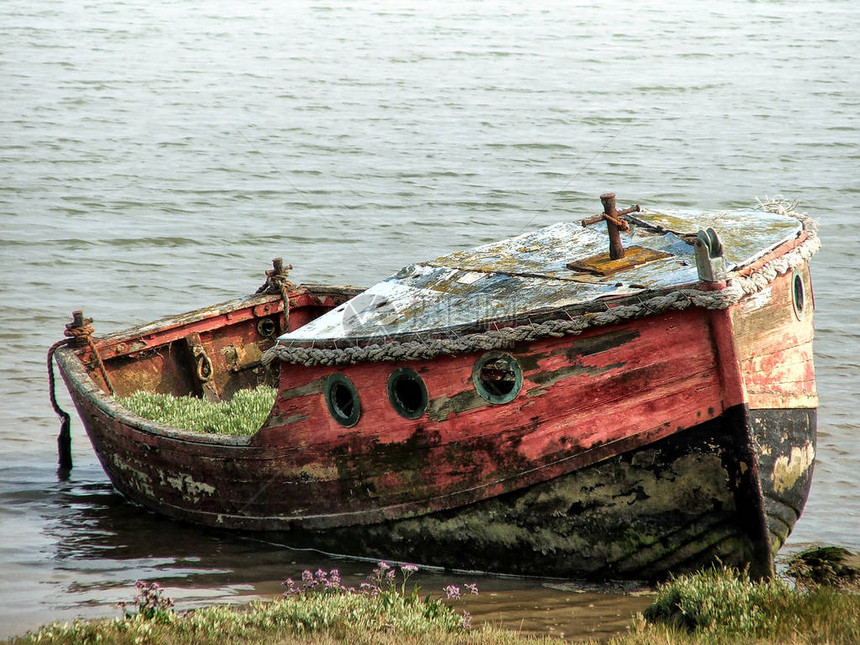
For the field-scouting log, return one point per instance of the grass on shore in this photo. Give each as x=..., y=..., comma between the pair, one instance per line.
x=715, y=607
x=317, y=609
x=724, y=607
x=329, y=619
x=240, y=416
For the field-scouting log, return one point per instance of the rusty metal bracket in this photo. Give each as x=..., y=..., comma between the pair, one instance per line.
x=614, y=223
x=203, y=368
x=601, y=265
x=233, y=354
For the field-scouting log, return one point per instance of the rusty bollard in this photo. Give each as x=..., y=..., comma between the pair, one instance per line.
x=614, y=224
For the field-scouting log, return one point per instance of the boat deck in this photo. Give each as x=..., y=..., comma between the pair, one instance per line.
x=562, y=265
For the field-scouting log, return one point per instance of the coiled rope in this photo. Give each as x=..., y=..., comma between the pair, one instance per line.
x=278, y=283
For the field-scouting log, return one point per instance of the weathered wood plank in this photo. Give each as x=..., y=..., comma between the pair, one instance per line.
x=774, y=345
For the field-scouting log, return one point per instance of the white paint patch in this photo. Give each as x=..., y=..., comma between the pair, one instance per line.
x=759, y=299
x=134, y=478
x=470, y=278
x=788, y=469
x=190, y=488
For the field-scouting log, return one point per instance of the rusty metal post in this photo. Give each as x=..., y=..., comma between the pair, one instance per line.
x=77, y=329
x=80, y=331
x=616, y=249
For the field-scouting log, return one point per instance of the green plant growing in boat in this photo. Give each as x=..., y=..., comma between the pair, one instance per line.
x=240, y=416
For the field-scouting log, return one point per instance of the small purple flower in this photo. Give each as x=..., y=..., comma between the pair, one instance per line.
x=466, y=620
x=472, y=587
x=409, y=568
x=452, y=591
x=290, y=584
x=150, y=599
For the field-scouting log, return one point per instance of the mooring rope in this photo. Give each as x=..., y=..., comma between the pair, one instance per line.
x=278, y=283
x=676, y=300
x=77, y=332
x=64, y=440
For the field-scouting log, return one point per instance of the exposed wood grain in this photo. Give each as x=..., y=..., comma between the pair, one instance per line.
x=774, y=346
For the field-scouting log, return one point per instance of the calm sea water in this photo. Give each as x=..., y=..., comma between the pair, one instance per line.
x=155, y=155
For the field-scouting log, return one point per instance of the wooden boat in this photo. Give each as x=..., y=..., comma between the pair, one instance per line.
x=534, y=406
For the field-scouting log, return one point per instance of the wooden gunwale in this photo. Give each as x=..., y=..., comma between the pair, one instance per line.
x=168, y=329
x=782, y=248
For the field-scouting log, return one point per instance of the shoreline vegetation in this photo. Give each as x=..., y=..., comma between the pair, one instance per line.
x=818, y=603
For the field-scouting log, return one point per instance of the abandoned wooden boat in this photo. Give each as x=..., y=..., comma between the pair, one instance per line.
x=537, y=405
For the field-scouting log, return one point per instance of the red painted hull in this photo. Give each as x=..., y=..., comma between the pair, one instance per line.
x=612, y=460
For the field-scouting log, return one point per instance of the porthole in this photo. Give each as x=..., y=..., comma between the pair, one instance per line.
x=407, y=392
x=798, y=294
x=267, y=328
x=341, y=397
x=497, y=377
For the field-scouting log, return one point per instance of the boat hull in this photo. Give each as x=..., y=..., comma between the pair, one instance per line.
x=676, y=505
x=691, y=499
x=785, y=443
x=657, y=445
